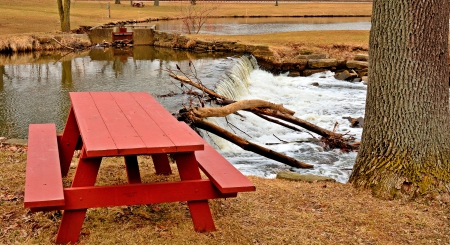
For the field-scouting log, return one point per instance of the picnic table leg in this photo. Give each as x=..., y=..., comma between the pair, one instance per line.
x=133, y=175
x=68, y=142
x=72, y=220
x=162, y=165
x=200, y=211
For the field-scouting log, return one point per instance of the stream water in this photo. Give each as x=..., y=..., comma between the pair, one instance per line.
x=245, y=26
x=34, y=89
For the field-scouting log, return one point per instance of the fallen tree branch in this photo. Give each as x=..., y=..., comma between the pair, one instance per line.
x=199, y=86
x=246, y=145
x=62, y=44
x=297, y=121
x=239, y=105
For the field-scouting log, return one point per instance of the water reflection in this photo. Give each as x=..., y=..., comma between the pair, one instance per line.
x=35, y=86
x=245, y=26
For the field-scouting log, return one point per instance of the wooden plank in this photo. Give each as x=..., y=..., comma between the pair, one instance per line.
x=200, y=211
x=95, y=134
x=185, y=139
x=221, y=172
x=155, y=140
x=132, y=167
x=68, y=142
x=124, y=135
x=162, y=164
x=72, y=220
x=137, y=194
x=43, y=181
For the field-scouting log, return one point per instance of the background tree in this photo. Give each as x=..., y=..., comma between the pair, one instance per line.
x=195, y=16
x=405, y=147
x=156, y=3
x=64, y=14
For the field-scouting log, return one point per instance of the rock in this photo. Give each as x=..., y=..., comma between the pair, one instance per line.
x=294, y=74
x=355, y=122
x=309, y=72
x=21, y=142
x=363, y=72
x=341, y=64
x=3, y=139
x=303, y=177
x=362, y=57
x=12, y=149
x=289, y=66
x=354, y=64
x=365, y=80
x=315, y=84
x=322, y=63
x=312, y=56
x=345, y=75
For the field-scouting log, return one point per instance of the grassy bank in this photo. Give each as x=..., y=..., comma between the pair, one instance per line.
x=286, y=46
x=41, y=15
x=279, y=212
x=37, y=17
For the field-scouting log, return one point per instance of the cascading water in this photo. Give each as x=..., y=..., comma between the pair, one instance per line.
x=319, y=99
x=235, y=82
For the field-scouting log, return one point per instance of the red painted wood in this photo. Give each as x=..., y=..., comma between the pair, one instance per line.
x=162, y=164
x=43, y=181
x=200, y=212
x=137, y=194
x=68, y=142
x=185, y=139
x=95, y=134
x=149, y=131
x=221, y=172
x=72, y=220
x=132, y=167
x=124, y=135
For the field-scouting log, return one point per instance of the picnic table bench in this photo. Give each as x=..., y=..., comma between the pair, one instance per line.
x=111, y=124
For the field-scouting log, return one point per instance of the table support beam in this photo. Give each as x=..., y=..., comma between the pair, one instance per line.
x=200, y=211
x=162, y=164
x=72, y=220
x=132, y=166
x=68, y=142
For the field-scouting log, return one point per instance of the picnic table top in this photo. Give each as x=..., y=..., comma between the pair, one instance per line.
x=129, y=123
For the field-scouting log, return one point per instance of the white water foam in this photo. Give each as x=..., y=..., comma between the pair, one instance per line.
x=323, y=105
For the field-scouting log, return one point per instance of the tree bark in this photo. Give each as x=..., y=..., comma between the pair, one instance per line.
x=246, y=145
x=64, y=14
x=405, y=147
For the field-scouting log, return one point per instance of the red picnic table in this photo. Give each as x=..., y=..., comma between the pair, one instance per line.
x=110, y=124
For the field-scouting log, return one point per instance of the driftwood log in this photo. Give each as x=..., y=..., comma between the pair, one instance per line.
x=267, y=110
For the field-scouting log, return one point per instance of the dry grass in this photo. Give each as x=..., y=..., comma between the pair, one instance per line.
x=338, y=44
x=41, y=15
x=279, y=212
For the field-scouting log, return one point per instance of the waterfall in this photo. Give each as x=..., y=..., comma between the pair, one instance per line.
x=233, y=85
x=235, y=82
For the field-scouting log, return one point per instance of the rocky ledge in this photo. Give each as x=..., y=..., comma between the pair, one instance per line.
x=303, y=65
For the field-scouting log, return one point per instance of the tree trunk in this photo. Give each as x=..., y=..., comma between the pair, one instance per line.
x=64, y=14
x=405, y=147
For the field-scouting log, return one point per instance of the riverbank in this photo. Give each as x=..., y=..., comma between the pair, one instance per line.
x=38, y=16
x=279, y=212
